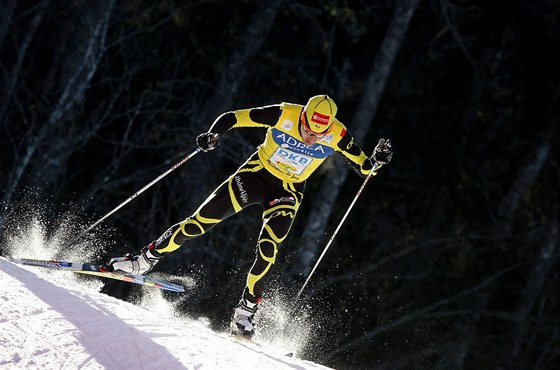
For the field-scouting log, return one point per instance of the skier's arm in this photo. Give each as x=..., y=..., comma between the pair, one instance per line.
x=355, y=156
x=254, y=117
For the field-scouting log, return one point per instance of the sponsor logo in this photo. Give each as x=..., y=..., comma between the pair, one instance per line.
x=283, y=214
x=287, y=125
x=327, y=139
x=282, y=200
x=165, y=235
x=320, y=119
x=242, y=192
x=289, y=142
x=46, y=263
x=285, y=167
x=294, y=157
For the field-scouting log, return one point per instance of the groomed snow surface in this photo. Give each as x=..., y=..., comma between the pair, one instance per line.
x=50, y=320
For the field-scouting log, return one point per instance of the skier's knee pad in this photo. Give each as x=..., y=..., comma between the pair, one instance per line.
x=191, y=228
x=267, y=250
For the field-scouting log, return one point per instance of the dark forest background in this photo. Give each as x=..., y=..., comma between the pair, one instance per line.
x=449, y=260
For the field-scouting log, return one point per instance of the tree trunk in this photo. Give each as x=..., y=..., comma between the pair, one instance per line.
x=6, y=14
x=239, y=65
x=11, y=78
x=531, y=294
x=536, y=158
x=361, y=124
x=80, y=65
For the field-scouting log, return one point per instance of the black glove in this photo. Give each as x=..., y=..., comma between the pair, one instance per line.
x=383, y=153
x=207, y=141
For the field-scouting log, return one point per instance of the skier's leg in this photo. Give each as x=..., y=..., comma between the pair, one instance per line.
x=277, y=221
x=222, y=203
x=217, y=207
x=236, y=193
x=275, y=228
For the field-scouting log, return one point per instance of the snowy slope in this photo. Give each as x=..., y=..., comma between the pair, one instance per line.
x=48, y=320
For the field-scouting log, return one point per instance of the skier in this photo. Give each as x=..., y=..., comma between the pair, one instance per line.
x=298, y=139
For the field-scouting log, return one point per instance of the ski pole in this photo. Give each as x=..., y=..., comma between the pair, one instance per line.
x=375, y=167
x=174, y=167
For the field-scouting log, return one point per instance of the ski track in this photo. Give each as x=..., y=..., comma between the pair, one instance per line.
x=50, y=322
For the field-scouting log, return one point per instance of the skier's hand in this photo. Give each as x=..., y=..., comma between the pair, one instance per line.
x=383, y=152
x=207, y=141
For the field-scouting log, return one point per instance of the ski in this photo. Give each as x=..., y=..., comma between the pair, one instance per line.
x=96, y=270
x=250, y=342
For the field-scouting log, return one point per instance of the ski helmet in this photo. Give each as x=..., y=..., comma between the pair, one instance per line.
x=319, y=114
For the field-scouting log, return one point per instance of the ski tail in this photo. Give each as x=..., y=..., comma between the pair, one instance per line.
x=99, y=270
x=54, y=264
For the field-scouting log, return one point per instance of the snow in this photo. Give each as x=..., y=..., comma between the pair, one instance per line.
x=51, y=320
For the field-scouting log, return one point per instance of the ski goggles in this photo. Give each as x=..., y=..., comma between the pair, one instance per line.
x=310, y=132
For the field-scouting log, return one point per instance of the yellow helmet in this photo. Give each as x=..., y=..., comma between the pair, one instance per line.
x=319, y=114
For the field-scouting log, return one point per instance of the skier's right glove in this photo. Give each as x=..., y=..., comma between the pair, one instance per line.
x=135, y=265
x=207, y=141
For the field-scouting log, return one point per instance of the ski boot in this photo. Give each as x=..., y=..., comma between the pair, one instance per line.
x=135, y=265
x=242, y=324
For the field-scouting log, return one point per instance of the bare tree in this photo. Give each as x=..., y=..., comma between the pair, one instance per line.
x=426, y=311
x=6, y=14
x=531, y=294
x=376, y=81
x=238, y=66
x=82, y=65
x=532, y=165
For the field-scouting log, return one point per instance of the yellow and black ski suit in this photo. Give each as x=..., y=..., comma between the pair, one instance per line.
x=274, y=177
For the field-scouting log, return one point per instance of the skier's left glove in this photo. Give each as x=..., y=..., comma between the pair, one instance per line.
x=383, y=152
x=135, y=265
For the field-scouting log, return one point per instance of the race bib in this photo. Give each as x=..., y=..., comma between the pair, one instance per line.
x=290, y=162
